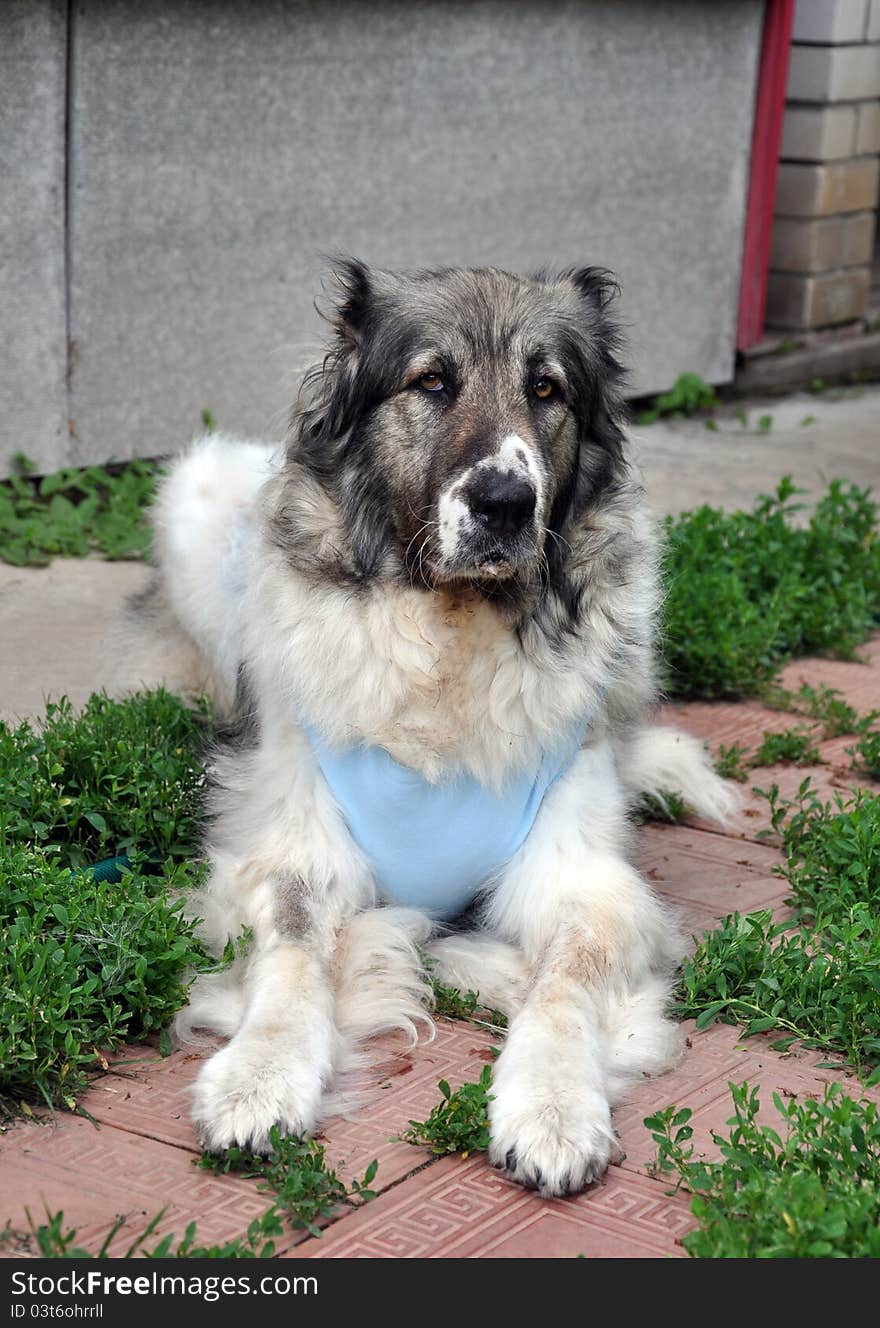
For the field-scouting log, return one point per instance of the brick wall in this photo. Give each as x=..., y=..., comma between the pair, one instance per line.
x=827, y=192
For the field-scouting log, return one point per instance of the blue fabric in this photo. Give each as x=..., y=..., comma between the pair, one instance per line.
x=433, y=846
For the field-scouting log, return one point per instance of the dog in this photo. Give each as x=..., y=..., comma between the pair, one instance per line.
x=433, y=615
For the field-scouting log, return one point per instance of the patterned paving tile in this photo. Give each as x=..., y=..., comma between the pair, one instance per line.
x=95, y=1175
x=457, y=1054
x=708, y=870
x=714, y=1058
x=465, y=1210
x=151, y=1098
x=743, y=722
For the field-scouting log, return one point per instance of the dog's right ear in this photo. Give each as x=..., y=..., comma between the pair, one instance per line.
x=354, y=289
x=333, y=393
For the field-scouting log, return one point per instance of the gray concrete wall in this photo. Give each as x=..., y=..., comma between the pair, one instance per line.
x=33, y=353
x=219, y=149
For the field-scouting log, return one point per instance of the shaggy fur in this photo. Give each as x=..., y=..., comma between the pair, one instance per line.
x=450, y=560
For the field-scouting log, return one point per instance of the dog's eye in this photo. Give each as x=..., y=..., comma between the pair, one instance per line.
x=543, y=388
x=431, y=382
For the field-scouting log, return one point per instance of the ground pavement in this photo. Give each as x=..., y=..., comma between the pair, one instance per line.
x=59, y=632
x=138, y=1154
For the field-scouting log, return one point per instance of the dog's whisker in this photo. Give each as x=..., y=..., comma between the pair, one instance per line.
x=554, y=534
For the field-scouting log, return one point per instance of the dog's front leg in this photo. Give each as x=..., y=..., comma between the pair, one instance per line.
x=284, y=864
x=276, y=1068
x=594, y=936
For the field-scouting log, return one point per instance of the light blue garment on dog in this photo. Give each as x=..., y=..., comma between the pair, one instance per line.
x=433, y=846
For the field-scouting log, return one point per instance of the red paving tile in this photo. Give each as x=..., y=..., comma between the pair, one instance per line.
x=717, y=1057
x=95, y=1175
x=858, y=682
x=743, y=722
x=141, y=1157
x=152, y=1099
x=465, y=1210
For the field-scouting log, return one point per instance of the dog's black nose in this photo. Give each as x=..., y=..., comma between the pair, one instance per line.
x=504, y=503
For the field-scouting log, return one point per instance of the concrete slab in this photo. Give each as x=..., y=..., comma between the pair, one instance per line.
x=33, y=334
x=265, y=136
x=815, y=437
x=62, y=632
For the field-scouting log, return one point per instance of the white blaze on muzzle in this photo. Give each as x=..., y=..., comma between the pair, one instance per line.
x=457, y=520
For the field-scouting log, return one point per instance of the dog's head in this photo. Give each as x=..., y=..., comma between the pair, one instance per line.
x=464, y=419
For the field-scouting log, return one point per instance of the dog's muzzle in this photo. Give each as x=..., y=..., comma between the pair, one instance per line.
x=497, y=533
x=503, y=504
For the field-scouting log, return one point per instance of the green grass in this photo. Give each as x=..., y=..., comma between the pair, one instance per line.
x=816, y=979
x=809, y=1189
x=746, y=591
x=831, y=849
x=824, y=704
x=666, y=806
x=833, y=717
x=790, y=747
x=86, y=964
x=866, y=754
x=452, y=1003
x=819, y=988
x=730, y=762
x=688, y=396
x=119, y=777
x=54, y=1241
x=460, y=1121
x=74, y=512
x=295, y=1170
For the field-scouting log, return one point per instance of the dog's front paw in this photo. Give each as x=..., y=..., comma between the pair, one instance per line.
x=549, y=1124
x=251, y=1085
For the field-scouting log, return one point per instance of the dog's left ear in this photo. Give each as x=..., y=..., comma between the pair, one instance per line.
x=597, y=285
x=599, y=402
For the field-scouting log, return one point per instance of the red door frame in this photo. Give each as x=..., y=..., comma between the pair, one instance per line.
x=766, y=139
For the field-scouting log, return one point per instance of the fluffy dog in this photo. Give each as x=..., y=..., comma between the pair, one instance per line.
x=433, y=614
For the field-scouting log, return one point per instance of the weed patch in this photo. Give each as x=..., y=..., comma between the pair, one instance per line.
x=748, y=590
x=75, y=511
x=824, y=704
x=460, y=1121
x=730, y=762
x=451, y=1003
x=866, y=754
x=816, y=980
x=91, y=959
x=84, y=966
x=296, y=1172
x=790, y=747
x=688, y=396
x=121, y=777
x=821, y=989
x=807, y=1190
x=832, y=850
